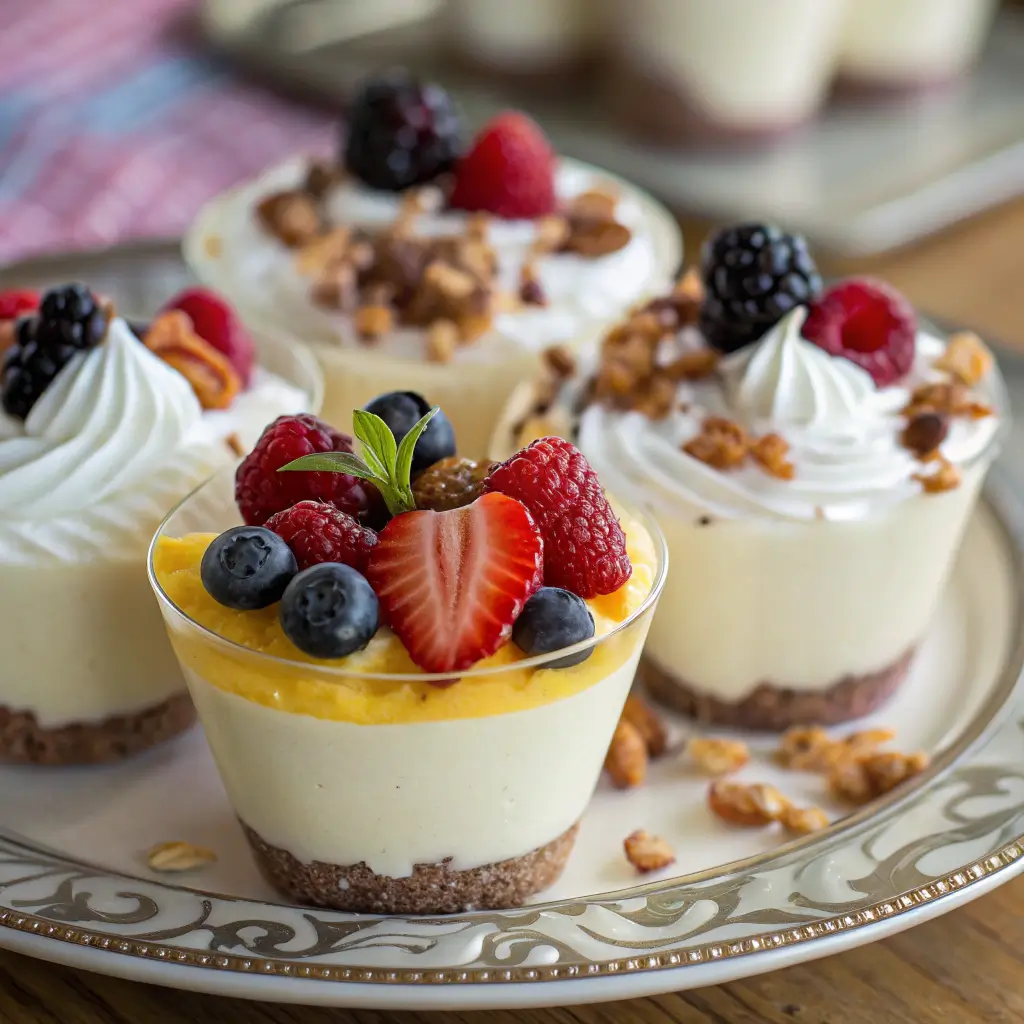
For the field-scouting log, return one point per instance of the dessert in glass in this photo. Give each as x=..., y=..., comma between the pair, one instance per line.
x=408, y=720
x=908, y=45
x=408, y=264
x=812, y=457
x=101, y=433
x=722, y=70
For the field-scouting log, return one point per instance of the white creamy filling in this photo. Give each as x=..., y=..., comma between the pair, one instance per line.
x=478, y=790
x=259, y=275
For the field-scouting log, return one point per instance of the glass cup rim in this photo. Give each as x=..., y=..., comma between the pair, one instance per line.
x=642, y=513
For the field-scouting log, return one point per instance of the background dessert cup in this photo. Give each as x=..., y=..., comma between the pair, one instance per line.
x=382, y=792
x=903, y=45
x=89, y=675
x=722, y=69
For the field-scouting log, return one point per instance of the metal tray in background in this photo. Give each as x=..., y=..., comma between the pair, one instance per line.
x=865, y=178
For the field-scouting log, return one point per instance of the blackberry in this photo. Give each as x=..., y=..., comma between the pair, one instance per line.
x=401, y=132
x=28, y=370
x=754, y=274
x=71, y=315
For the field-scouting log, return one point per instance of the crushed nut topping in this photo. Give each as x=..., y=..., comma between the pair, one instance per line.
x=626, y=762
x=953, y=399
x=721, y=444
x=560, y=360
x=924, y=433
x=214, y=380
x=531, y=291
x=751, y=806
x=592, y=228
x=770, y=452
x=178, y=856
x=292, y=217
x=442, y=341
x=802, y=821
x=945, y=478
x=646, y=721
x=372, y=322
x=717, y=756
x=647, y=852
x=967, y=358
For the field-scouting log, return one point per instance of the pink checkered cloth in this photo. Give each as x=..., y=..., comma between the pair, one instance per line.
x=114, y=125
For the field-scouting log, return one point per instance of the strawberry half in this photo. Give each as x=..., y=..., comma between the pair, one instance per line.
x=451, y=584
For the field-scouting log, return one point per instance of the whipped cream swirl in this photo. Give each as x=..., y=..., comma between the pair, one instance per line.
x=843, y=433
x=113, y=416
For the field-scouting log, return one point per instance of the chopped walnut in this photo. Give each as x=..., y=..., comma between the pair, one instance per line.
x=945, y=478
x=292, y=217
x=645, y=720
x=691, y=286
x=442, y=340
x=626, y=762
x=320, y=176
x=802, y=821
x=373, y=322
x=560, y=360
x=531, y=291
x=647, y=852
x=770, y=453
x=596, y=203
x=861, y=780
x=321, y=253
x=593, y=230
x=337, y=288
x=657, y=399
x=721, y=444
x=695, y=365
x=716, y=756
x=924, y=433
x=804, y=748
x=953, y=399
x=751, y=806
x=967, y=358
x=552, y=232
x=214, y=380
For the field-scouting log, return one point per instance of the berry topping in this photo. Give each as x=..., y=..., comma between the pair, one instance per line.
x=70, y=315
x=401, y=410
x=754, y=274
x=16, y=301
x=260, y=490
x=870, y=324
x=247, y=567
x=29, y=368
x=401, y=132
x=329, y=611
x=509, y=170
x=218, y=325
x=584, y=546
x=452, y=584
x=551, y=620
x=317, y=532
x=451, y=483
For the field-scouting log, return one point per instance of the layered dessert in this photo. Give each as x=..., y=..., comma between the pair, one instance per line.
x=533, y=41
x=101, y=432
x=410, y=719
x=812, y=457
x=409, y=263
x=902, y=45
x=722, y=70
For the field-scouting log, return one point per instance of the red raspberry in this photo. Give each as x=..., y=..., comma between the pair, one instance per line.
x=584, y=546
x=509, y=170
x=16, y=301
x=867, y=322
x=260, y=490
x=217, y=323
x=317, y=532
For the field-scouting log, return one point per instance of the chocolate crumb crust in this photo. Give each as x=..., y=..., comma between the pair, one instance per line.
x=24, y=741
x=430, y=889
x=771, y=708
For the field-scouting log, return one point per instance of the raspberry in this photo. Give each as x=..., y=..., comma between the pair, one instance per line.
x=260, y=490
x=317, y=532
x=584, y=546
x=16, y=301
x=217, y=324
x=451, y=483
x=869, y=323
x=509, y=171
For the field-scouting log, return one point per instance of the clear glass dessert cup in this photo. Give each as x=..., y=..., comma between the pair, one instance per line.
x=776, y=623
x=400, y=792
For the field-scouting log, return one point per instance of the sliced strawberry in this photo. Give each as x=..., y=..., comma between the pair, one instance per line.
x=451, y=584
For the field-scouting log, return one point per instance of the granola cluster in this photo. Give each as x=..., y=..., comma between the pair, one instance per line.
x=445, y=284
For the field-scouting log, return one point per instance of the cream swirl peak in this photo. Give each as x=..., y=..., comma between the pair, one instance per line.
x=112, y=415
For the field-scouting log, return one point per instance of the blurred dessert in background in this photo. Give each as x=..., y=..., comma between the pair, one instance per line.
x=898, y=45
x=721, y=69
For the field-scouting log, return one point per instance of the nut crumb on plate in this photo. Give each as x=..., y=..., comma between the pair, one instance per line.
x=647, y=852
x=802, y=821
x=626, y=761
x=645, y=720
x=751, y=806
x=178, y=855
x=717, y=756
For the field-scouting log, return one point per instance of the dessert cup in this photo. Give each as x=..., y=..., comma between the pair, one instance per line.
x=538, y=40
x=89, y=675
x=229, y=250
x=721, y=70
x=908, y=45
x=808, y=565
x=398, y=791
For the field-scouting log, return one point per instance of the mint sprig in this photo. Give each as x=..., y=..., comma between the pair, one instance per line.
x=387, y=465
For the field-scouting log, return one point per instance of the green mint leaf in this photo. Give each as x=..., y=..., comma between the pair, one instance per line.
x=403, y=463
x=332, y=462
x=379, y=448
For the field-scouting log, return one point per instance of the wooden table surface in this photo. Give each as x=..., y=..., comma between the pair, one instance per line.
x=965, y=968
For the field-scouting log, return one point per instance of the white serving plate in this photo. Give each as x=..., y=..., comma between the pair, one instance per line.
x=75, y=889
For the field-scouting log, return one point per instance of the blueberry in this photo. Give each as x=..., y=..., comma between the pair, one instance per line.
x=401, y=410
x=552, y=619
x=247, y=567
x=329, y=611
